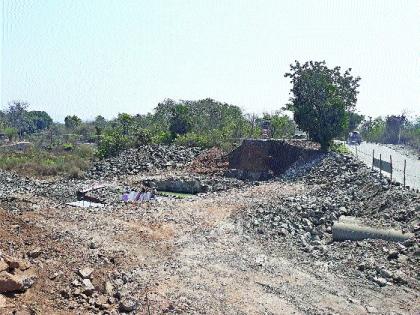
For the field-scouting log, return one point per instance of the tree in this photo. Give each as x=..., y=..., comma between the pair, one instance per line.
x=16, y=117
x=125, y=120
x=355, y=120
x=280, y=124
x=393, y=127
x=3, y=121
x=321, y=99
x=180, y=122
x=72, y=122
x=38, y=120
x=100, y=121
x=373, y=131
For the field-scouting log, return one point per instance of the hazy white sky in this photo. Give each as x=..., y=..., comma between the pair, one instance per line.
x=104, y=57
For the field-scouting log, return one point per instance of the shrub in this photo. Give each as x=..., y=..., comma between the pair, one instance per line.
x=162, y=137
x=112, y=143
x=85, y=151
x=141, y=137
x=75, y=172
x=68, y=147
x=339, y=148
x=11, y=133
x=192, y=139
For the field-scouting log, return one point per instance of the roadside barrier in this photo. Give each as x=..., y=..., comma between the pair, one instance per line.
x=388, y=166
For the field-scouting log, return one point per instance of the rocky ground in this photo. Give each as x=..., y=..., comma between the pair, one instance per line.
x=239, y=248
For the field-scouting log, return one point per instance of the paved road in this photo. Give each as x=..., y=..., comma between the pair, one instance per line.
x=364, y=153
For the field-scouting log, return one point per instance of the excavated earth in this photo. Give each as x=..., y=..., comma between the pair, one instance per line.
x=241, y=247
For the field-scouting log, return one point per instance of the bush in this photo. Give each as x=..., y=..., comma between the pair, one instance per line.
x=68, y=147
x=11, y=133
x=339, y=148
x=141, y=137
x=45, y=163
x=162, y=137
x=75, y=172
x=192, y=139
x=85, y=151
x=112, y=143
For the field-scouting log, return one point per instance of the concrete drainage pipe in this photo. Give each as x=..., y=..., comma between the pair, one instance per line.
x=354, y=232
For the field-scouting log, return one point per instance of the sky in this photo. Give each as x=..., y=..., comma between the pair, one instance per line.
x=104, y=57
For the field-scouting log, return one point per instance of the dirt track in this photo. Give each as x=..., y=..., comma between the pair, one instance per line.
x=186, y=256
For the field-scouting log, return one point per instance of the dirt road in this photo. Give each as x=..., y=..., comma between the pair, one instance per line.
x=185, y=256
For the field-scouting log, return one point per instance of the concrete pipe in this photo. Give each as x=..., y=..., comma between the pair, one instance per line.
x=354, y=232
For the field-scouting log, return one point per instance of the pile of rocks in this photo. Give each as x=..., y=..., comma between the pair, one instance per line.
x=143, y=159
x=210, y=161
x=342, y=186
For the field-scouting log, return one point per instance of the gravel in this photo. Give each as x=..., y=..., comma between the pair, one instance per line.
x=342, y=186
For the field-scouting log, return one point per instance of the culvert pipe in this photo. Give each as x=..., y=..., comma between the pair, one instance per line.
x=355, y=232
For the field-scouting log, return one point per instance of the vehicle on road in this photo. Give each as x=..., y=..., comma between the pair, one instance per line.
x=354, y=138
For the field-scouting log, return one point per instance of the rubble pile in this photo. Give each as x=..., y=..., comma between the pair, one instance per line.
x=15, y=188
x=143, y=159
x=342, y=186
x=210, y=161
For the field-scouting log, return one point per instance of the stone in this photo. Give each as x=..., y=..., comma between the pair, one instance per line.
x=400, y=277
x=380, y=281
x=93, y=245
x=128, y=305
x=371, y=309
x=3, y=266
x=35, y=253
x=101, y=302
x=88, y=287
x=385, y=273
x=16, y=263
x=86, y=273
x=342, y=210
x=109, y=289
x=27, y=280
x=10, y=283
x=3, y=301
x=393, y=254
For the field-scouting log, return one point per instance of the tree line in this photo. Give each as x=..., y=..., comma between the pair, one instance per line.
x=202, y=123
x=322, y=101
x=392, y=129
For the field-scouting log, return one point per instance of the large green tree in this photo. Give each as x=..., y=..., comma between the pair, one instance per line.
x=322, y=99
x=38, y=120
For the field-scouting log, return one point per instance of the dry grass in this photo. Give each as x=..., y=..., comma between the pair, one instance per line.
x=44, y=163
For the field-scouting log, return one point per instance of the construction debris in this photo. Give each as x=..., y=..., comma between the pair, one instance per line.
x=269, y=243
